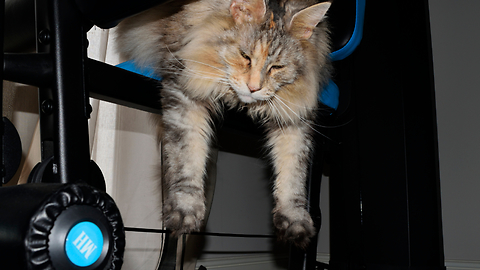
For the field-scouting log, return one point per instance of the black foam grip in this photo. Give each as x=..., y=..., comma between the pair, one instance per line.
x=29, y=213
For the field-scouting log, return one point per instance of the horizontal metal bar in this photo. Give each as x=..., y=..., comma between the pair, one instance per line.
x=19, y=33
x=113, y=84
x=20, y=18
x=107, y=13
x=33, y=69
x=104, y=81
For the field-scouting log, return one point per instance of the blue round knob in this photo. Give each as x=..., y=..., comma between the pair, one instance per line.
x=84, y=244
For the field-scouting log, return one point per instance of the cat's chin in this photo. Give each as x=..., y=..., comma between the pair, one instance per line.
x=249, y=99
x=246, y=99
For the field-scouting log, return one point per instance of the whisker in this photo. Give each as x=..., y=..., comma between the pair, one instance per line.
x=306, y=122
x=276, y=115
x=221, y=94
x=202, y=74
x=174, y=57
x=195, y=72
x=312, y=122
x=205, y=64
x=283, y=109
x=191, y=73
x=289, y=102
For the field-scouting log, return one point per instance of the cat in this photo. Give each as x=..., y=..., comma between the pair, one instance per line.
x=269, y=57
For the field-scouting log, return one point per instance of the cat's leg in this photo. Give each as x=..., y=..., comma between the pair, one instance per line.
x=185, y=148
x=291, y=147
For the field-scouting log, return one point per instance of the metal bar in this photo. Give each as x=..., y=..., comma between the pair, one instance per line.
x=107, y=13
x=385, y=185
x=46, y=103
x=2, y=126
x=32, y=69
x=19, y=17
x=19, y=33
x=112, y=84
x=64, y=105
x=70, y=45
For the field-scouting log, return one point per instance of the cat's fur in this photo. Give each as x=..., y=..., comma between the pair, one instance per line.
x=268, y=57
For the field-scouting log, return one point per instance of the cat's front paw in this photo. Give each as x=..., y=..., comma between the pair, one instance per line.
x=295, y=226
x=181, y=217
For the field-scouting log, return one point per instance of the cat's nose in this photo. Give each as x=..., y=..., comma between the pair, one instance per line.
x=253, y=87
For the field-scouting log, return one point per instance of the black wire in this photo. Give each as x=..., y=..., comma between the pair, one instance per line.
x=234, y=235
x=147, y=230
x=131, y=229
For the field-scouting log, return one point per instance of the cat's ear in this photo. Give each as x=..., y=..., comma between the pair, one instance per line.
x=247, y=10
x=304, y=21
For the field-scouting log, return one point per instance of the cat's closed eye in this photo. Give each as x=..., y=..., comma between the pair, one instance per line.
x=244, y=55
x=275, y=68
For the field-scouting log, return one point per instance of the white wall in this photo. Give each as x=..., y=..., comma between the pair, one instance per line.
x=455, y=29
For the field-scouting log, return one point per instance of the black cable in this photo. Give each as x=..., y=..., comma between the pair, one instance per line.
x=234, y=235
x=131, y=229
x=147, y=230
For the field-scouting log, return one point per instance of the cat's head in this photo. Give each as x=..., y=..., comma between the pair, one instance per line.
x=267, y=50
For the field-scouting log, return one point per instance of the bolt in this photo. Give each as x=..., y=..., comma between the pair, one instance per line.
x=47, y=106
x=44, y=36
x=55, y=168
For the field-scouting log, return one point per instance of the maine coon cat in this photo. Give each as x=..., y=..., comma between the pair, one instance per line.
x=270, y=57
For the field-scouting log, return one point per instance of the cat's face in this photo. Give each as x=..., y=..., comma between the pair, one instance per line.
x=264, y=51
x=260, y=60
x=256, y=56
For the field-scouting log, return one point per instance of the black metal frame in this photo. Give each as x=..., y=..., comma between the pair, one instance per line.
x=66, y=78
x=385, y=209
x=369, y=229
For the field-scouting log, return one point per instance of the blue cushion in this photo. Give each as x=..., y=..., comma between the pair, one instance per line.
x=145, y=71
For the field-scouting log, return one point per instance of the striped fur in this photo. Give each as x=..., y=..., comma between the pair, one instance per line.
x=268, y=57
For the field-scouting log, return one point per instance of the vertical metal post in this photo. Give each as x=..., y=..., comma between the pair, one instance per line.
x=64, y=106
x=2, y=30
x=385, y=185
